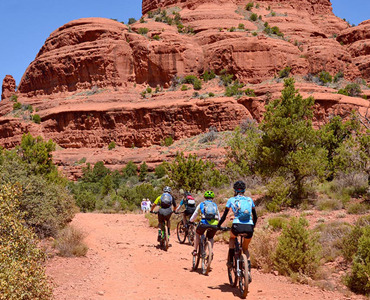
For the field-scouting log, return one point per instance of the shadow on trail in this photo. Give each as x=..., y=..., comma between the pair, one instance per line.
x=225, y=288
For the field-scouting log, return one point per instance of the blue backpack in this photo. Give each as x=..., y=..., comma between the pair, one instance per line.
x=210, y=210
x=243, y=208
x=166, y=200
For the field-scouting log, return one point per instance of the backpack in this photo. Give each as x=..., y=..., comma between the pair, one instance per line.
x=243, y=208
x=166, y=200
x=190, y=201
x=210, y=210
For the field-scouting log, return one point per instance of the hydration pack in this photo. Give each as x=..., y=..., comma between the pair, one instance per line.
x=210, y=210
x=190, y=201
x=243, y=208
x=166, y=200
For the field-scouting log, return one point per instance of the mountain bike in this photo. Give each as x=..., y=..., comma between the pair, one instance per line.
x=238, y=272
x=164, y=241
x=205, y=252
x=185, y=231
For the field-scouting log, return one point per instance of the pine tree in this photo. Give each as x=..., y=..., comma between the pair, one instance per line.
x=289, y=145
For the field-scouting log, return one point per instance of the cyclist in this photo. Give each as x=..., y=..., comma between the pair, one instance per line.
x=189, y=203
x=164, y=201
x=210, y=216
x=244, y=221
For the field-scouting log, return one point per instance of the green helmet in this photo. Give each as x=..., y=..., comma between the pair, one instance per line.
x=209, y=194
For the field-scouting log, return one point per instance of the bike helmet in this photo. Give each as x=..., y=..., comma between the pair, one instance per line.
x=167, y=189
x=209, y=194
x=187, y=193
x=239, y=186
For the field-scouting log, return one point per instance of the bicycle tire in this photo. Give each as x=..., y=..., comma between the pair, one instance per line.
x=191, y=234
x=166, y=240
x=181, y=232
x=243, y=279
x=207, y=258
x=231, y=272
x=196, y=260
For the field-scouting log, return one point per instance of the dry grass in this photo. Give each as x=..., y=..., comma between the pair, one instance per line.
x=262, y=247
x=69, y=242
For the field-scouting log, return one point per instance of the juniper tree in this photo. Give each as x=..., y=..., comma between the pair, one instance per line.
x=289, y=146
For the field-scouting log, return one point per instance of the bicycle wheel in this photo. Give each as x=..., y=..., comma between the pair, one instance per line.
x=243, y=279
x=207, y=258
x=231, y=272
x=181, y=232
x=196, y=259
x=191, y=234
x=166, y=241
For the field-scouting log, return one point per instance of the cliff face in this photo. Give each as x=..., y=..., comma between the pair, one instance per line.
x=90, y=82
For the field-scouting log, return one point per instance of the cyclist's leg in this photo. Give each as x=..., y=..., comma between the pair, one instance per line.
x=233, y=236
x=210, y=234
x=245, y=245
x=184, y=218
x=198, y=232
x=160, y=223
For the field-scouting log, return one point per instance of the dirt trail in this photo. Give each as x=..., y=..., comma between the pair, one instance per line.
x=123, y=262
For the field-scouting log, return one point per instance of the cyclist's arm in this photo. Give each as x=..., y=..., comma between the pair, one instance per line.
x=195, y=214
x=181, y=203
x=156, y=202
x=254, y=213
x=173, y=202
x=223, y=218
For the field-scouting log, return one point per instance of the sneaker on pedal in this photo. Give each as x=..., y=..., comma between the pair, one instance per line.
x=194, y=253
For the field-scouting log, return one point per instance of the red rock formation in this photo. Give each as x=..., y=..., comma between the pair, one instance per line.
x=8, y=88
x=87, y=82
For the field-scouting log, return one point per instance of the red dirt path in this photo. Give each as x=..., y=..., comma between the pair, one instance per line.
x=123, y=262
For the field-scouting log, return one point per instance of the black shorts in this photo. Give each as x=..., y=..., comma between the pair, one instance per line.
x=212, y=229
x=238, y=229
x=164, y=214
x=189, y=211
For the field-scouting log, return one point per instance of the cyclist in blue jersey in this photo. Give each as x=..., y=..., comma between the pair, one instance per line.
x=245, y=219
x=209, y=218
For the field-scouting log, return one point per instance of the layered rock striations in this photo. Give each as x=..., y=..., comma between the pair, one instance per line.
x=97, y=80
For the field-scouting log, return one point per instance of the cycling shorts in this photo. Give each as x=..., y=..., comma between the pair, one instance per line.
x=238, y=228
x=212, y=229
x=164, y=214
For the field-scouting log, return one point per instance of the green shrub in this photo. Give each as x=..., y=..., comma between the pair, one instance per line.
x=69, y=242
x=241, y=26
x=143, y=171
x=190, y=79
x=232, y=29
x=160, y=171
x=253, y=17
x=111, y=145
x=22, y=275
x=357, y=208
x=285, y=72
x=254, y=33
x=278, y=191
x=156, y=37
x=338, y=76
x=197, y=85
x=168, y=141
x=208, y=75
x=359, y=281
x=343, y=92
x=36, y=118
x=226, y=78
x=249, y=6
x=250, y=92
x=325, y=77
x=329, y=204
x=297, y=250
x=86, y=201
x=262, y=249
x=184, y=87
x=234, y=89
x=129, y=170
x=143, y=30
x=149, y=90
x=210, y=94
x=131, y=21
x=277, y=223
x=14, y=98
x=17, y=105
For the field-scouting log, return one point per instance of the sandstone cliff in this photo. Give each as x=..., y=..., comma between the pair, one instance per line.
x=97, y=80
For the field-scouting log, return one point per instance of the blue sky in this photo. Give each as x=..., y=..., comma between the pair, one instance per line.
x=25, y=24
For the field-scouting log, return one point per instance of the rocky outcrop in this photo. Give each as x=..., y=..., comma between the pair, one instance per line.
x=8, y=88
x=358, y=41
